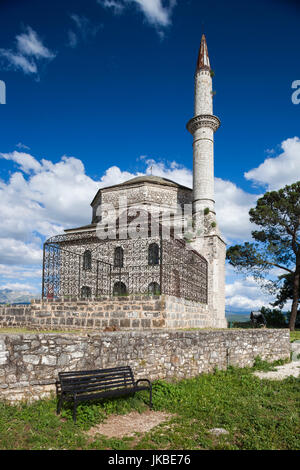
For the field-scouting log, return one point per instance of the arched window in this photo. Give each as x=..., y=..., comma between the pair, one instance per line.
x=87, y=260
x=86, y=292
x=154, y=288
x=119, y=257
x=153, y=254
x=119, y=288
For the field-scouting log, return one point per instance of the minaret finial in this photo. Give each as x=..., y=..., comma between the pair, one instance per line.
x=203, y=58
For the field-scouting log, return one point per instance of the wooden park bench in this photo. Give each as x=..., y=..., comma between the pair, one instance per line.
x=94, y=384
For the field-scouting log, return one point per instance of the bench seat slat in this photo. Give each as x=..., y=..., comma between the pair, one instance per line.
x=109, y=393
x=97, y=374
x=99, y=386
x=96, y=371
x=97, y=378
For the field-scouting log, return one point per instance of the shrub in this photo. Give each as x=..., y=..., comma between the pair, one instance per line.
x=274, y=318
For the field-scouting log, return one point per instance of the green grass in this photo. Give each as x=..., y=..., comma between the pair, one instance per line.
x=19, y=330
x=295, y=335
x=259, y=414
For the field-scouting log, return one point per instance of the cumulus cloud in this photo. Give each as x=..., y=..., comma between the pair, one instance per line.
x=20, y=273
x=232, y=203
x=232, y=207
x=278, y=171
x=171, y=170
x=15, y=251
x=41, y=199
x=26, y=162
x=245, y=295
x=27, y=54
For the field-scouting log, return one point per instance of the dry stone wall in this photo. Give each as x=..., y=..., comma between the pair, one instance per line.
x=29, y=363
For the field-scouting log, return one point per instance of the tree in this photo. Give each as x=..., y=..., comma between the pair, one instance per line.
x=285, y=292
x=276, y=243
x=274, y=318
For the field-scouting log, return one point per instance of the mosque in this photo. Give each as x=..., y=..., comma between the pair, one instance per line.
x=136, y=244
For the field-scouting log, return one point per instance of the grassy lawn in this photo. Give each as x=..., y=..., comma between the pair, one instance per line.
x=295, y=335
x=258, y=414
x=23, y=331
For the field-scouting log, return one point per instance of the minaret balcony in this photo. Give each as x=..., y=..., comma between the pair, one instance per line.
x=203, y=120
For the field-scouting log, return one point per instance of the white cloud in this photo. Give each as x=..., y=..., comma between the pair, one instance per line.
x=22, y=146
x=25, y=160
x=29, y=43
x=232, y=203
x=15, y=272
x=116, y=6
x=246, y=295
x=156, y=12
x=17, y=61
x=232, y=208
x=172, y=171
x=28, y=53
x=13, y=251
x=17, y=286
x=279, y=171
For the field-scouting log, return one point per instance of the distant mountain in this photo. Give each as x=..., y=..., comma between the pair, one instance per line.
x=238, y=317
x=9, y=296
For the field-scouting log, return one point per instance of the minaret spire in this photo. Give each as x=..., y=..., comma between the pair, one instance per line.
x=203, y=57
x=202, y=126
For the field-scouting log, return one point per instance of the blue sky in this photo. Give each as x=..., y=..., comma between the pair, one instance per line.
x=108, y=86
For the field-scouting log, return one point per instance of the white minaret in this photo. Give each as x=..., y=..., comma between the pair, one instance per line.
x=203, y=126
x=208, y=240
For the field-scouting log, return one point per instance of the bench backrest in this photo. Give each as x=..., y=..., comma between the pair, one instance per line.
x=96, y=380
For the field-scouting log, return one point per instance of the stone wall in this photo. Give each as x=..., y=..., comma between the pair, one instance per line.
x=128, y=312
x=29, y=363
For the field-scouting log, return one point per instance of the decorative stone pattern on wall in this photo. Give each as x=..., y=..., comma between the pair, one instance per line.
x=30, y=363
x=131, y=312
x=164, y=196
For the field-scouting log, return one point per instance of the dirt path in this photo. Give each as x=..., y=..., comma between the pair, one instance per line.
x=281, y=372
x=128, y=425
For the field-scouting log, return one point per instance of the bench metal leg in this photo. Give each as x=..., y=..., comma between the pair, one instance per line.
x=74, y=410
x=151, y=404
x=59, y=404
